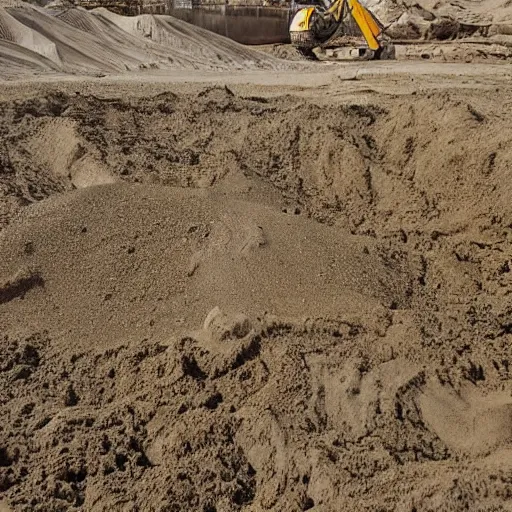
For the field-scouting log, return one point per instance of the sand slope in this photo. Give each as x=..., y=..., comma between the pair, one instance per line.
x=79, y=41
x=192, y=251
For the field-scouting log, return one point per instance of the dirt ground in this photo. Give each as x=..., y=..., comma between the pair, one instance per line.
x=263, y=292
x=285, y=287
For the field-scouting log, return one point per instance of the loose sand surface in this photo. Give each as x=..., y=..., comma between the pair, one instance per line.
x=62, y=41
x=278, y=288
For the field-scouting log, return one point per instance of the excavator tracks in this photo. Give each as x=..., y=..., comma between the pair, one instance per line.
x=304, y=42
x=306, y=53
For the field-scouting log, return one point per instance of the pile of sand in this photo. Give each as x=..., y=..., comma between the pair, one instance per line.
x=81, y=42
x=15, y=32
x=176, y=249
x=226, y=303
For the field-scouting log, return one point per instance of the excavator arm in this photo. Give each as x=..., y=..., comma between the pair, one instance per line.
x=366, y=23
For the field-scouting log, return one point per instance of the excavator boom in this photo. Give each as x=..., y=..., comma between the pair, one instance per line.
x=366, y=23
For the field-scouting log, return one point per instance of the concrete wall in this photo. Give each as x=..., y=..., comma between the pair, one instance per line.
x=154, y=7
x=247, y=24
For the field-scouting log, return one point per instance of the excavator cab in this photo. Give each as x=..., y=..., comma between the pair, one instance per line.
x=323, y=23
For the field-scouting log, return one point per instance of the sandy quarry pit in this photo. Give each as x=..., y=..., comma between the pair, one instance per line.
x=273, y=290
x=219, y=300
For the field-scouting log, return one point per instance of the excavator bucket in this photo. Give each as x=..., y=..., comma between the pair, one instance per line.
x=302, y=34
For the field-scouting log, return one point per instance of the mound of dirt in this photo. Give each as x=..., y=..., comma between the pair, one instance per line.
x=281, y=51
x=258, y=416
x=77, y=41
x=195, y=250
x=373, y=168
x=218, y=303
x=15, y=32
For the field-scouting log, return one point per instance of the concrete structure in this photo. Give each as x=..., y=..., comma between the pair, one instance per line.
x=248, y=23
x=126, y=7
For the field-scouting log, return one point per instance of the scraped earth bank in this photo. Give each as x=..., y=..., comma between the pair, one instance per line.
x=215, y=302
x=444, y=19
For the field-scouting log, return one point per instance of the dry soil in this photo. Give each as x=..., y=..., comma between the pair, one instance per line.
x=281, y=291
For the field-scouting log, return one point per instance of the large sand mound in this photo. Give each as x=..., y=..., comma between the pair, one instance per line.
x=79, y=41
x=15, y=32
x=178, y=248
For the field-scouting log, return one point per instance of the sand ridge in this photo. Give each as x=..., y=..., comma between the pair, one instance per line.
x=83, y=42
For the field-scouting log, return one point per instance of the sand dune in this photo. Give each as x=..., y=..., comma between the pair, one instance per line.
x=17, y=60
x=15, y=32
x=253, y=259
x=78, y=41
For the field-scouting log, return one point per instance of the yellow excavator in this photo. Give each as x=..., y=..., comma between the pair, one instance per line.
x=324, y=22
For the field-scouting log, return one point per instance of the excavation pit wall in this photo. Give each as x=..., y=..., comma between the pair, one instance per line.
x=372, y=167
